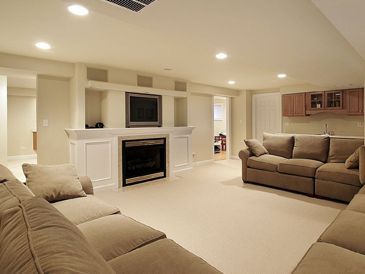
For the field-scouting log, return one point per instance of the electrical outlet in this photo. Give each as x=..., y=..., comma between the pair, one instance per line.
x=45, y=123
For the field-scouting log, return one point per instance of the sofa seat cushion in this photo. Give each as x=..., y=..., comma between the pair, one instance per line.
x=12, y=193
x=357, y=203
x=115, y=235
x=265, y=162
x=311, y=147
x=347, y=231
x=326, y=258
x=279, y=144
x=164, y=257
x=36, y=238
x=84, y=209
x=300, y=167
x=337, y=172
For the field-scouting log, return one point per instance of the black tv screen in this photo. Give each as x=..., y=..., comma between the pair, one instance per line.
x=143, y=110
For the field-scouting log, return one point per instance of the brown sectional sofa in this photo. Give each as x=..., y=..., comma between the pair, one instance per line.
x=81, y=235
x=341, y=247
x=309, y=164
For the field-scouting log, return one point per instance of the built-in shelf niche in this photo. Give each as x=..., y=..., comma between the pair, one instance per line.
x=93, y=108
x=180, y=86
x=97, y=74
x=144, y=81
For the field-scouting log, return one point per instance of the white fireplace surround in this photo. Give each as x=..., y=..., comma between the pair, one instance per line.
x=94, y=152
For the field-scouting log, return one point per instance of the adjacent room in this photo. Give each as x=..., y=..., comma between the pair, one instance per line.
x=221, y=122
x=182, y=137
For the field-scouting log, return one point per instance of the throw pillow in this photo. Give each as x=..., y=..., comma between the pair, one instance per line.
x=6, y=174
x=256, y=147
x=53, y=183
x=353, y=160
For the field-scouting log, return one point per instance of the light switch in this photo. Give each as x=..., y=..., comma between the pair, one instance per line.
x=45, y=123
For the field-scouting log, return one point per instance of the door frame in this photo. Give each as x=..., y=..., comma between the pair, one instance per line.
x=254, y=102
x=228, y=125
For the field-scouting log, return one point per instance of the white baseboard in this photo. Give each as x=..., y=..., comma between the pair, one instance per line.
x=22, y=157
x=202, y=163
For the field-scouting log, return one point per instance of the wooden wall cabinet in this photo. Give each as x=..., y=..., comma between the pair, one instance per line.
x=315, y=101
x=348, y=102
x=355, y=101
x=293, y=104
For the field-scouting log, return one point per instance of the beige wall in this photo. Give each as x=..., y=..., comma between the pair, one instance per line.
x=200, y=115
x=342, y=125
x=21, y=121
x=53, y=105
x=3, y=119
x=221, y=125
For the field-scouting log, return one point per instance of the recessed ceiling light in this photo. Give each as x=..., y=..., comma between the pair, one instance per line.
x=43, y=45
x=78, y=10
x=221, y=56
x=282, y=75
x=231, y=82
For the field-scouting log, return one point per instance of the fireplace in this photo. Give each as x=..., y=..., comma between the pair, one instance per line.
x=143, y=160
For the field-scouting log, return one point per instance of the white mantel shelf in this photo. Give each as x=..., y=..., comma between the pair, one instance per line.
x=103, y=86
x=92, y=133
x=95, y=152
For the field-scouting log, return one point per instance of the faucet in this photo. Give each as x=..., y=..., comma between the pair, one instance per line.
x=326, y=132
x=325, y=129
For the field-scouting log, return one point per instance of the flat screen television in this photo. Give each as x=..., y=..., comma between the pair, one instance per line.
x=143, y=110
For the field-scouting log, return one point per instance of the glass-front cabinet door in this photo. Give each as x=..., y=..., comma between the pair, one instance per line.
x=333, y=99
x=316, y=100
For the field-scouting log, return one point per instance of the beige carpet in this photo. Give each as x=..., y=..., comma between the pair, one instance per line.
x=237, y=228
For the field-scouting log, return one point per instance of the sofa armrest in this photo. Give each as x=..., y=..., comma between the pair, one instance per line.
x=87, y=185
x=244, y=154
x=362, y=164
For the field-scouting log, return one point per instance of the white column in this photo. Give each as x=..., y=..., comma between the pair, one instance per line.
x=77, y=97
x=3, y=119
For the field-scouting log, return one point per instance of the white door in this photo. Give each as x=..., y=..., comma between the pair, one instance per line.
x=266, y=114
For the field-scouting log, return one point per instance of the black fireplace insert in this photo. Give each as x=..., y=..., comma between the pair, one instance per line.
x=143, y=160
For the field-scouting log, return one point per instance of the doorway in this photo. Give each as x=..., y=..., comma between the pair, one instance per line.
x=221, y=128
x=19, y=119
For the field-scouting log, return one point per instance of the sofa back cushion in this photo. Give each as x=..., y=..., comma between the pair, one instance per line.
x=279, y=144
x=5, y=174
x=36, y=238
x=12, y=193
x=54, y=182
x=342, y=148
x=311, y=147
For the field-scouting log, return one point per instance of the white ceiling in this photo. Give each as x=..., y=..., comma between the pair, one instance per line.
x=262, y=38
x=348, y=17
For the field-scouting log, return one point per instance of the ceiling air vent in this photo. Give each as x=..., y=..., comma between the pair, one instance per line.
x=134, y=5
